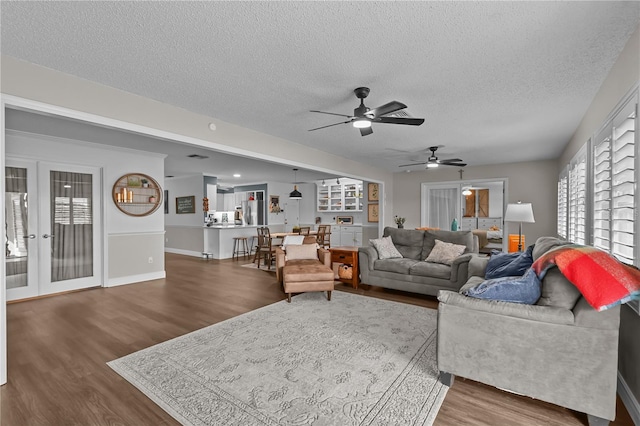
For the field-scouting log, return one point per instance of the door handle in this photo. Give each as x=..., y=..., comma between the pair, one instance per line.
x=30, y=236
x=48, y=236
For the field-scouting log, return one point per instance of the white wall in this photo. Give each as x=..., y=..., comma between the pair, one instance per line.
x=131, y=264
x=533, y=182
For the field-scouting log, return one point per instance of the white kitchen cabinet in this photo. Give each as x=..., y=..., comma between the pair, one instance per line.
x=345, y=196
x=212, y=195
x=229, y=202
x=346, y=236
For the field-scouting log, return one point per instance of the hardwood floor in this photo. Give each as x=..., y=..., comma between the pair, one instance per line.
x=58, y=348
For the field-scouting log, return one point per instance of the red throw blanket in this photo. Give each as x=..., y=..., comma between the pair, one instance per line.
x=603, y=281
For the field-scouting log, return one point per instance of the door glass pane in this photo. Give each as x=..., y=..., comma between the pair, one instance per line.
x=71, y=225
x=16, y=223
x=442, y=207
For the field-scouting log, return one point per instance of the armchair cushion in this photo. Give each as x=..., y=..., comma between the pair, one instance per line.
x=303, y=251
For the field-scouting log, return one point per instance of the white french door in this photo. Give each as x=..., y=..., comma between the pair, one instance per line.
x=442, y=205
x=53, y=228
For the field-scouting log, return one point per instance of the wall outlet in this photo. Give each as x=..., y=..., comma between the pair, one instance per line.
x=150, y=259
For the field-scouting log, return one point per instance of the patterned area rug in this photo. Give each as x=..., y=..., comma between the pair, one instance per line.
x=354, y=360
x=262, y=267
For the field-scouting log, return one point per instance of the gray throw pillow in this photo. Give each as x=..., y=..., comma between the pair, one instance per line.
x=558, y=291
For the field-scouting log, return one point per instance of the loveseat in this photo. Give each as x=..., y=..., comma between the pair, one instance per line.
x=559, y=349
x=411, y=272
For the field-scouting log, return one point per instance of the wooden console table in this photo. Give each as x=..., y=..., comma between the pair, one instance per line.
x=348, y=255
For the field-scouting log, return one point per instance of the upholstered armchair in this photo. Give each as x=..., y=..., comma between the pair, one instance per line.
x=301, y=268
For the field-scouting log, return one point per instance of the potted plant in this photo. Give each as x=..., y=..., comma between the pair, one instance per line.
x=145, y=183
x=399, y=221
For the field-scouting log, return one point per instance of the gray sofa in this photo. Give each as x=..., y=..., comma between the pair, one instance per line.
x=559, y=350
x=411, y=273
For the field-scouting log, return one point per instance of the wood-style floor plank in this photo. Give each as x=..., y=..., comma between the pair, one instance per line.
x=58, y=348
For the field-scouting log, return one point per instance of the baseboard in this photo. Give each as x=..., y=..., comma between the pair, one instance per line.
x=629, y=400
x=132, y=279
x=184, y=252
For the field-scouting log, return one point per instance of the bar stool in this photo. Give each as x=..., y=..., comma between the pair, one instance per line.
x=240, y=247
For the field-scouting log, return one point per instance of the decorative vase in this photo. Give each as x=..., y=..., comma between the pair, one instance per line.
x=152, y=199
x=400, y=226
x=454, y=224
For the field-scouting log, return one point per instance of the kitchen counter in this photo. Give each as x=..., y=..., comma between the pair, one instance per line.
x=230, y=226
x=218, y=239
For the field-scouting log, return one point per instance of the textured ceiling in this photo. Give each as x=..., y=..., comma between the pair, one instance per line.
x=496, y=81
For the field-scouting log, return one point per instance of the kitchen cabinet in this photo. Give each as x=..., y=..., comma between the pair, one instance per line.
x=346, y=235
x=345, y=196
x=229, y=203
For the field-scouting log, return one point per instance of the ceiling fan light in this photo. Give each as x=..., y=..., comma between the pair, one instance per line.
x=362, y=123
x=432, y=165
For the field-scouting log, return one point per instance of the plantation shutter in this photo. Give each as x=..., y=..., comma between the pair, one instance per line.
x=577, y=194
x=602, y=190
x=562, y=204
x=623, y=184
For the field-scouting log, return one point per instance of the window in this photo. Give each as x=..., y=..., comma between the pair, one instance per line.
x=577, y=193
x=562, y=204
x=615, y=171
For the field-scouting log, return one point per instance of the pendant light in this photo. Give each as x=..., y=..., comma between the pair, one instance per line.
x=295, y=194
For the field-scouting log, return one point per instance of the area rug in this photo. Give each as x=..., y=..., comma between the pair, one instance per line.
x=262, y=267
x=354, y=360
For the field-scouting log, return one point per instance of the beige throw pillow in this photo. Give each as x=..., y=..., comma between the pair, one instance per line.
x=303, y=251
x=385, y=248
x=445, y=253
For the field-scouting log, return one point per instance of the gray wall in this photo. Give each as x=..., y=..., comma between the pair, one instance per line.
x=533, y=182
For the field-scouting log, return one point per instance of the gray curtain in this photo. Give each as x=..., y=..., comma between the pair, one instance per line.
x=16, y=219
x=71, y=225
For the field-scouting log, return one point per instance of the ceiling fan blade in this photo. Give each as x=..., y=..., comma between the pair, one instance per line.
x=413, y=164
x=454, y=164
x=386, y=109
x=330, y=125
x=364, y=131
x=400, y=120
x=331, y=113
x=450, y=160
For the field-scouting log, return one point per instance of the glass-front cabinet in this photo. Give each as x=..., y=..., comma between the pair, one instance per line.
x=339, y=195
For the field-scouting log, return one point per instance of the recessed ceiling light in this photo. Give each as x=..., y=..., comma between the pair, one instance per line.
x=212, y=126
x=237, y=175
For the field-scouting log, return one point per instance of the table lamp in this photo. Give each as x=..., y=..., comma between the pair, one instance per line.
x=519, y=212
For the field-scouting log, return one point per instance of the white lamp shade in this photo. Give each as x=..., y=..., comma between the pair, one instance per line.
x=519, y=212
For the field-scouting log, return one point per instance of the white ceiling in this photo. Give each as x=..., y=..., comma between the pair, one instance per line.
x=496, y=81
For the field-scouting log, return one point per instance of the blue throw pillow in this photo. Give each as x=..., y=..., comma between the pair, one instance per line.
x=509, y=264
x=525, y=289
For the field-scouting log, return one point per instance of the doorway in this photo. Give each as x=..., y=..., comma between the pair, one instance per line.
x=52, y=226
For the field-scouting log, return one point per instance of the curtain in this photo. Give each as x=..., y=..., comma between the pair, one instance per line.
x=16, y=219
x=442, y=207
x=71, y=225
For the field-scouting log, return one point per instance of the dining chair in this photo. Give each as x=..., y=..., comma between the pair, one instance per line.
x=264, y=248
x=305, y=230
x=324, y=236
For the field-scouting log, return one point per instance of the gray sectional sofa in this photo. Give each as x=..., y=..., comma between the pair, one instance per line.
x=411, y=272
x=559, y=350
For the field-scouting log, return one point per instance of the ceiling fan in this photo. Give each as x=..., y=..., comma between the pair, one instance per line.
x=433, y=161
x=363, y=117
